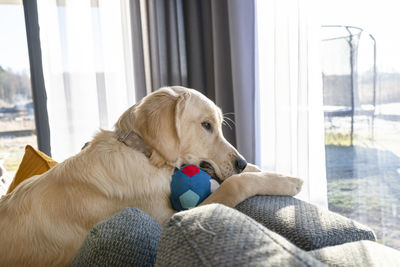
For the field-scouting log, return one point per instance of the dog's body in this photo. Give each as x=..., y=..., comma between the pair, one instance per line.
x=44, y=221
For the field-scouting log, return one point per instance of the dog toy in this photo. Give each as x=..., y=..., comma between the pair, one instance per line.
x=190, y=186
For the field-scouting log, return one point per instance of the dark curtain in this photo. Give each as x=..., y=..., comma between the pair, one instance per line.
x=205, y=45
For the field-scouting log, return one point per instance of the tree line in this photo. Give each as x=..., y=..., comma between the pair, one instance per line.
x=14, y=87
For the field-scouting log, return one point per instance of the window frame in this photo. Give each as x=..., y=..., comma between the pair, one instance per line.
x=39, y=95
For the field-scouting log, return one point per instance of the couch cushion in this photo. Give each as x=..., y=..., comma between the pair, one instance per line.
x=360, y=253
x=215, y=235
x=305, y=225
x=128, y=238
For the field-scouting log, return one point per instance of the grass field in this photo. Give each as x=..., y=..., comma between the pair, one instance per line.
x=13, y=149
x=11, y=152
x=364, y=179
x=370, y=202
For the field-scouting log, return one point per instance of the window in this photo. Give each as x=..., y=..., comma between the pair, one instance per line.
x=361, y=81
x=17, y=124
x=329, y=105
x=87, y=68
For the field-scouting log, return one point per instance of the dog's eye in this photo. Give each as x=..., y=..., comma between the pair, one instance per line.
x=207, y=126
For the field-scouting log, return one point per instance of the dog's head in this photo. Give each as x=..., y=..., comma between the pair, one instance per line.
x=182, y=126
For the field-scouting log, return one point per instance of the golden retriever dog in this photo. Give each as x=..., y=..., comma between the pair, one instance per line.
x=46, y=218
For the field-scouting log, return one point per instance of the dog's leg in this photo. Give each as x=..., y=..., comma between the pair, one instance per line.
x=251, y=168
x=242, y=186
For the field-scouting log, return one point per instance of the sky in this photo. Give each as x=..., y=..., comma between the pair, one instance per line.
x=381, y=18
x=13, y=47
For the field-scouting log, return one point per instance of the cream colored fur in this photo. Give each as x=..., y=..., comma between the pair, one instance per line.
x=44, y=221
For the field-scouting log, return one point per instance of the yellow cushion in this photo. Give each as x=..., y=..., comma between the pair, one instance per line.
x=33, y=163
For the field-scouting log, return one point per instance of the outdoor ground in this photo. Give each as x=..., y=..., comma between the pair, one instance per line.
x=12, y=148
x=11, y=152
x=364, y=179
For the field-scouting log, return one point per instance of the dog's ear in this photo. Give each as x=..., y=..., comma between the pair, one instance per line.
x=157, y=120
x=180, y=107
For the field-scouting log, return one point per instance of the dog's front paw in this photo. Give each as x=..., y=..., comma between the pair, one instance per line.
x=294, y=185
x=284, y=185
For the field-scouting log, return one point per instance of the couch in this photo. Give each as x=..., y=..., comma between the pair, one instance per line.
x=260, y=231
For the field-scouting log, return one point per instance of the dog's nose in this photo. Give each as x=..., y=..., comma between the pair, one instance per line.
x=240, y=164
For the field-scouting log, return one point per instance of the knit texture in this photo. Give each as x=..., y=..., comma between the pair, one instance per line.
x=361, y=253
x=215, y=235
x=128, y=238
x=305, y=225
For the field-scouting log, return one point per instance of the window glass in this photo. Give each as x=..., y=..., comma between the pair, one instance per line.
x=361, y=80
x=87, y=68
x=17, y=123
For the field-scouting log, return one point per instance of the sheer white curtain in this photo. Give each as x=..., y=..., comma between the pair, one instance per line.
x=290, y=123
x=87, y=65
